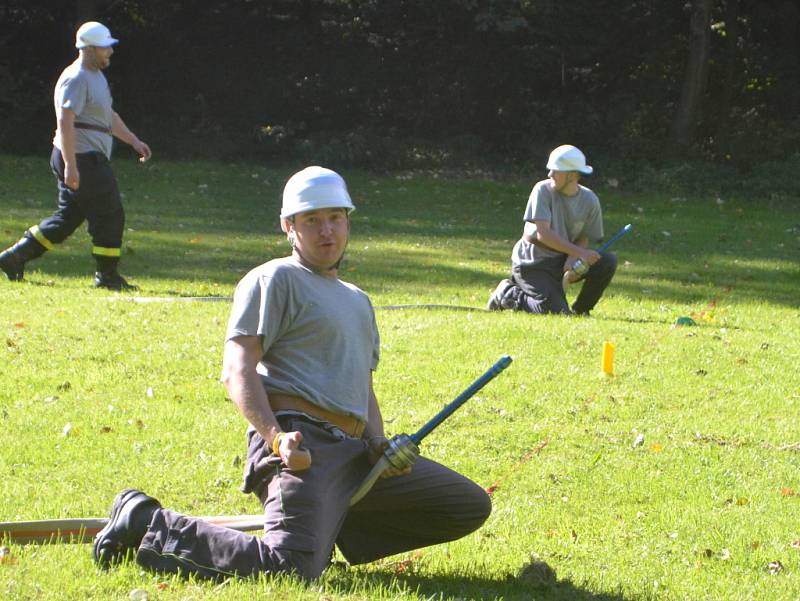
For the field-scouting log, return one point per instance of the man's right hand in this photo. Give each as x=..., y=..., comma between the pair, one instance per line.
x=71, y=176
x=292, y=456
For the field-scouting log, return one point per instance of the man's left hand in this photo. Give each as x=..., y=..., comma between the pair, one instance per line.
x=143, y=150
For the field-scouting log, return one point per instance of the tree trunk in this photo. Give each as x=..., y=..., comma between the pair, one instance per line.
x=730, y=74
x=696, y=76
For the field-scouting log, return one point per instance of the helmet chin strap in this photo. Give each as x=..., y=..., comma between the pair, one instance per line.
x=303, y=260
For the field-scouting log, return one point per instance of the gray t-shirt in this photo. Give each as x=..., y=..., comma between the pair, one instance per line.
x=86, y=93
x=571, y=217
x=320, y=337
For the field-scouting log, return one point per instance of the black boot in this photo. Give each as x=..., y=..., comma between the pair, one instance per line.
x=107, y=275
x=13, y=259
x=131, y=514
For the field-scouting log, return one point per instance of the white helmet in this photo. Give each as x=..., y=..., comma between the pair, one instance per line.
x=314, y=188
x=568, y=158
x=94, y=34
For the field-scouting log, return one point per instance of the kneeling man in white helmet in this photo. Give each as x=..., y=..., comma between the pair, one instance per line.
x=562, y=218
x=300, y=350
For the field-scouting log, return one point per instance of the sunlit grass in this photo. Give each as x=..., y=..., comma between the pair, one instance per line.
x=677, y=478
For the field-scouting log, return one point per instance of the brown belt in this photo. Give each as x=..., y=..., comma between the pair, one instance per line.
x=93, y=127
x=347, y=424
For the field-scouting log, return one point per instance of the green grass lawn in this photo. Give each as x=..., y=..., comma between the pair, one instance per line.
x=678, y=478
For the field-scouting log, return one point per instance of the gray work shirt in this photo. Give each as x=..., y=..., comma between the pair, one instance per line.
x=86, y=93
x=320, y=337
x=571, y=217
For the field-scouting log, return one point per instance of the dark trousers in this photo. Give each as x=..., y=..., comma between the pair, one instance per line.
x=97, y=201
x=541, y=289
x=307, y=512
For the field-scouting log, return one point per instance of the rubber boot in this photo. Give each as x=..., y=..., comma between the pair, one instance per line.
x=13, y=259
x=107, y=275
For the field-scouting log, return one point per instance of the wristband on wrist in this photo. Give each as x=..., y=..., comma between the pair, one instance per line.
x=276, y=443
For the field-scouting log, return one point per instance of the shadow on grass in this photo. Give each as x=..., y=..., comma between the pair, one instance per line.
x=211, y=223
x=473, y=588
x=215, y=263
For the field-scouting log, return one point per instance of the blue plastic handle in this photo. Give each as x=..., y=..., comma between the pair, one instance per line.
x=615, y=237
x=493, y=371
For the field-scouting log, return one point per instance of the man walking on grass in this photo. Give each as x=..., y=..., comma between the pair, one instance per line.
x=87, y=188
x=300, y=351
x=561, y=219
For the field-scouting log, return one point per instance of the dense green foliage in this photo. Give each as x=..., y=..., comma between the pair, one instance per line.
x=676, y=479
x=415, y=82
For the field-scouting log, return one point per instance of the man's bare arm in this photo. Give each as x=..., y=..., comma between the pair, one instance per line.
x=549, y=238
x=66, y=137
x=374, y=433
x=121, y=131
x=246, y=390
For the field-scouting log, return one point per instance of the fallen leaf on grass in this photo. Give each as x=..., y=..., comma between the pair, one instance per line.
x=403, y=566
x=105, y=429
x=19, y=325
x=774, y=567
x=787, y=492
x=724, y=554
x=738, y=501
x=6, y=559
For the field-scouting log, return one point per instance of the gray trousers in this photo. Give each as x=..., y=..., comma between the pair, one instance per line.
x=306, y=513
x=540, y=289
